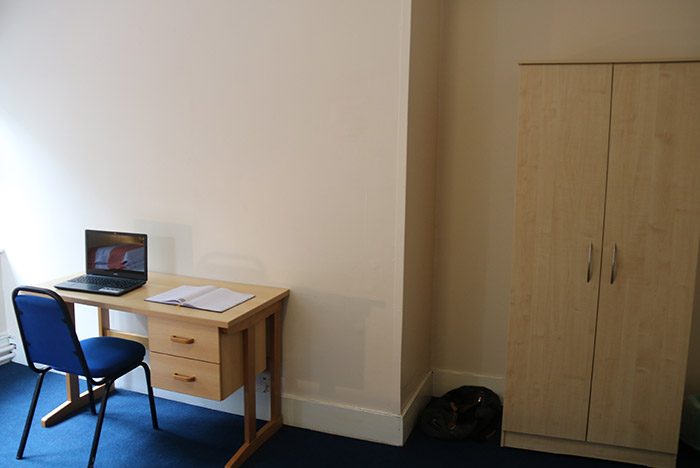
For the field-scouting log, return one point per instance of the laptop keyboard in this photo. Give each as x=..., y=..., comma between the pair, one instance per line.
x=119, y=283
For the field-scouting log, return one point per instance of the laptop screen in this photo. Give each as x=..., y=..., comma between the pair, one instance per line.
x=118, y=254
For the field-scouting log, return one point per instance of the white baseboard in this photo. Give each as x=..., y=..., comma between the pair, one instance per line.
x=416, y=403
x=347, y=421
x=445, y=380
x=355, y=422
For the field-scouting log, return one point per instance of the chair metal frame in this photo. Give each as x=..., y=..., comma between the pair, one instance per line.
x=108, y=380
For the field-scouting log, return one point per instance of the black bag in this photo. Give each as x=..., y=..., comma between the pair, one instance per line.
x=466, y=412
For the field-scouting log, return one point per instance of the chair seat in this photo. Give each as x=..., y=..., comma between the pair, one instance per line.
x=108, y=355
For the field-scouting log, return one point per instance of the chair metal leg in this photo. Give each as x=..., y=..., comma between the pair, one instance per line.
x=98, y=427
x=91, y=394
x=30, y=415
x=151, y=400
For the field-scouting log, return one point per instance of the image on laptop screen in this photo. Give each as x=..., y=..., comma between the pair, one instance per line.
x=116, y=254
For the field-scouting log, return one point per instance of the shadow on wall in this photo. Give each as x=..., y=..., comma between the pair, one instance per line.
x=171, y=250
x=331, y=332
x=233, y=267
x=169, y=246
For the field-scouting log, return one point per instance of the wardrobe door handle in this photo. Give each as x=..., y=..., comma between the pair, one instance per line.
x=590, y=251
x=612, y=271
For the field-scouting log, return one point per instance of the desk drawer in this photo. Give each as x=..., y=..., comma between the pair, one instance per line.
x=188, y=376
x=214, y=359
x=184, y=339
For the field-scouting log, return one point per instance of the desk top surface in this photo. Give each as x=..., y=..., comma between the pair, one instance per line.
x=135, y=301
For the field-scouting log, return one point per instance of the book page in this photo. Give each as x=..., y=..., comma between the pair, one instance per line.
x=181, y=294
x=218, y=300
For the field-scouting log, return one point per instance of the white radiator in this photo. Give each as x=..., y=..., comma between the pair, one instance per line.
x=6, y=348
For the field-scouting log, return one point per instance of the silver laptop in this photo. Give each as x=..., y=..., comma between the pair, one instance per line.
x=115, y=263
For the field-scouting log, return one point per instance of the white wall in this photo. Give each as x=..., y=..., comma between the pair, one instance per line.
x=266, y=141
x=255, y=141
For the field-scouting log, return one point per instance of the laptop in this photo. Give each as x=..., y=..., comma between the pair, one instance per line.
x=115, y=263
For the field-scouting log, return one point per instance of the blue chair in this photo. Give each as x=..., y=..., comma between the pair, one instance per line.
x=49, y=338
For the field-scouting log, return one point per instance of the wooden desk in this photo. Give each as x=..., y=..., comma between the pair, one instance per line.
x=198, y=352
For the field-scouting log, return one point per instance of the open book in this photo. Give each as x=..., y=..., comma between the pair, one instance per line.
x=202, y=297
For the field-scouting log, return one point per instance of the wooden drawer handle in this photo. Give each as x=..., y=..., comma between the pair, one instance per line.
x=184, y=378
x=181, y=339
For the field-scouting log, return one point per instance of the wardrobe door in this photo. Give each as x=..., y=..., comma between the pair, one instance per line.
x=652, y=230
x=561, y=169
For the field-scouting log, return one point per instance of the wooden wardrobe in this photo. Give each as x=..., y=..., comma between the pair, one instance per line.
x=607, y=230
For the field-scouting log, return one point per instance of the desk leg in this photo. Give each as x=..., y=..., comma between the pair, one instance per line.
x=276, y=367
x=103, y=321
x=74, y=400
x=254, y=438
x=249, y=385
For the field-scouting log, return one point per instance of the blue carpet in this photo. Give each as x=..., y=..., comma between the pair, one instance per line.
x=194, y=437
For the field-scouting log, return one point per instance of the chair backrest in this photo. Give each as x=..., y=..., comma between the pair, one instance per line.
x=47, y=330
